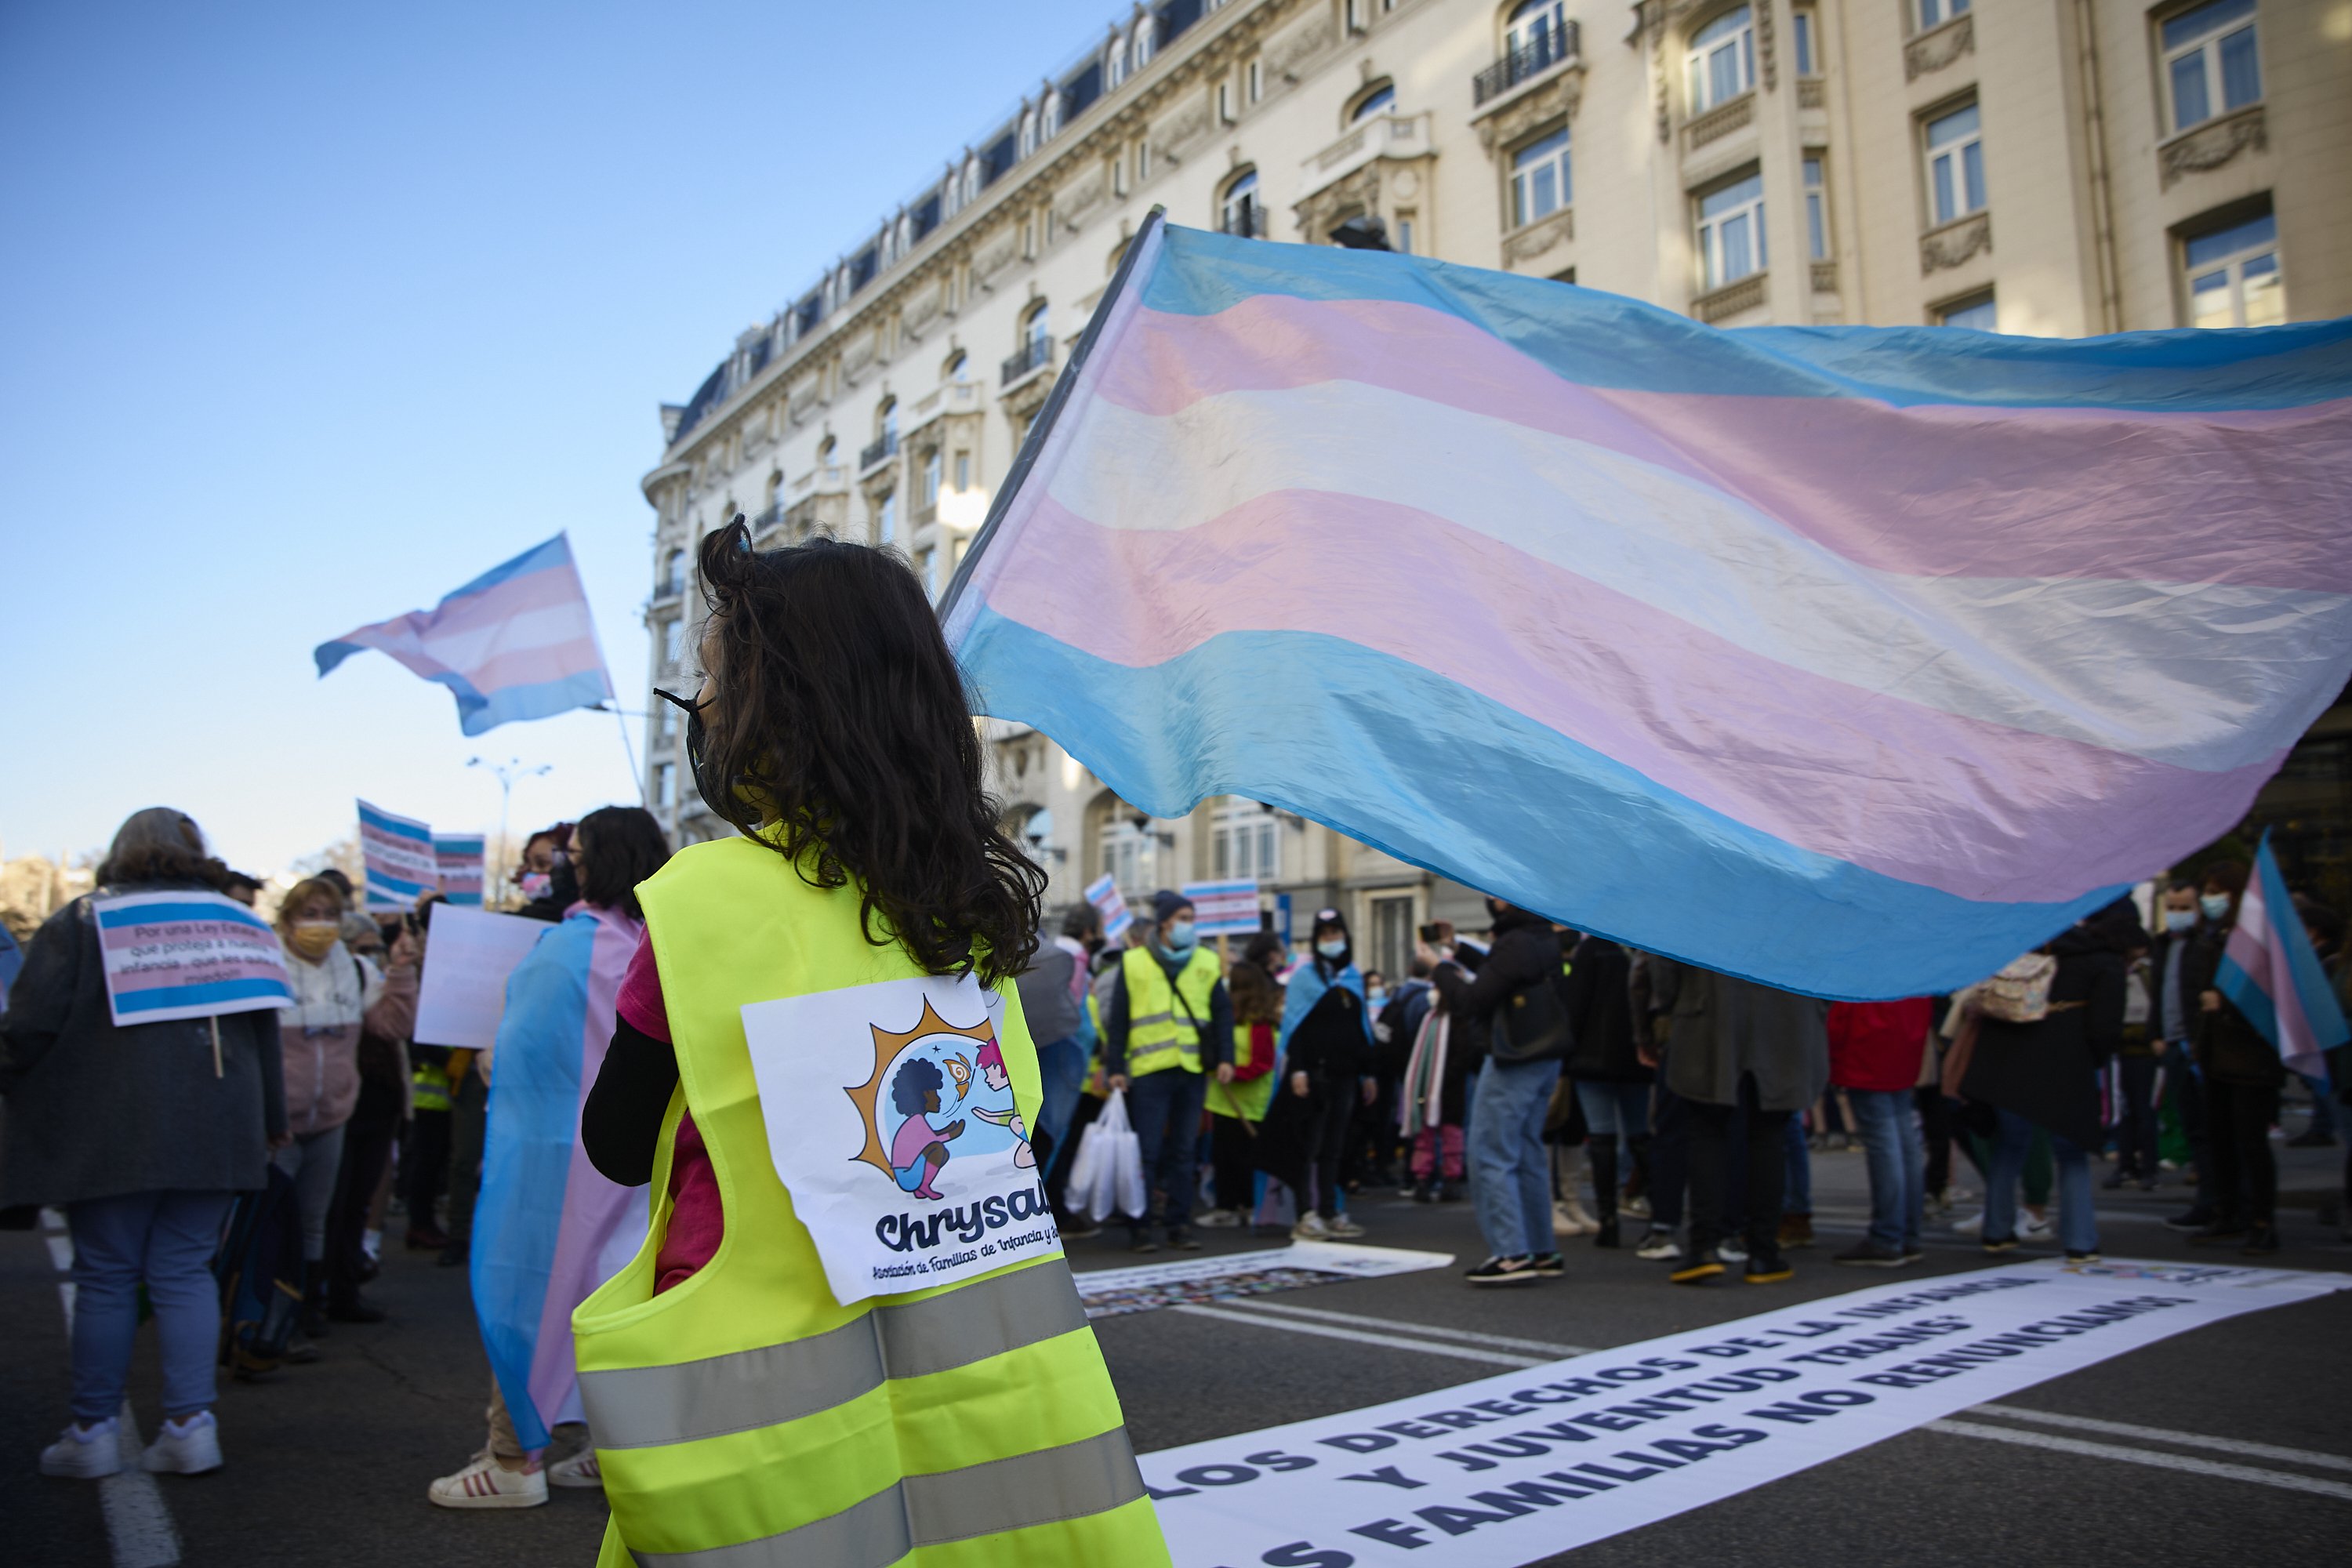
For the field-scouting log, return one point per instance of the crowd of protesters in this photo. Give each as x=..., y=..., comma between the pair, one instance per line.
x=1267, y=1086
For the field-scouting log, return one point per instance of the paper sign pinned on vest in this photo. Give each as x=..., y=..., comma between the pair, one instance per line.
x=891, y=1121
x=186, y=955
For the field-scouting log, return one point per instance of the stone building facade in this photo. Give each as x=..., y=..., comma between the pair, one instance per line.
x=2056, y=167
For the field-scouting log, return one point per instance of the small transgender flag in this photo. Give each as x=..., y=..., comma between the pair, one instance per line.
x=2270, y=970
x=517, y=642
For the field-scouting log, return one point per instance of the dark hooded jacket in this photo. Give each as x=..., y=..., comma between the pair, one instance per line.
x=2048, y=1071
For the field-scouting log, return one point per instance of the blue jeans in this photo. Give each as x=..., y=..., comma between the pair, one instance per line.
x=166, y=1239
x=1615, y=1109
x=1797, y=1186
x=2078, y=1225
x=1888, y=1121
x=1510, y=1180
x=1165, y=1107
x=1061, y=1068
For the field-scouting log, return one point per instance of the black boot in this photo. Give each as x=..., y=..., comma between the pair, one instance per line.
x=1602, y=1153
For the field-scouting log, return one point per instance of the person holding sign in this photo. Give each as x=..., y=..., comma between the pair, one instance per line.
x=143, y=1133
x=761, y=1397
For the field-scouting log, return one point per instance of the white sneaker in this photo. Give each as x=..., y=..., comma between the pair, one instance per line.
x=1639, y=1207
x=1342, y=1229
x=486, y=1483
x=2031, y=1230
x=1972, y=1225
x=580, y=1470
x=1217, y=1219
x=190, y=1448
x=1659, y=1246
x=84, y=1453
x=1312, y=1228
x=1569, y=1218
x=1732, y=1251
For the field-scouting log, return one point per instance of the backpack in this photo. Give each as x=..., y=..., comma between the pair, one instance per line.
x=2019, y=993
x=259, y=1269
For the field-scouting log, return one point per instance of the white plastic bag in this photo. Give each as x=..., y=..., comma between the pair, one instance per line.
x=1107, y=1172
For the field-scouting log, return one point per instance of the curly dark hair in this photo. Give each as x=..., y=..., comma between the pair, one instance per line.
x=839, y=735
x=916, y=1079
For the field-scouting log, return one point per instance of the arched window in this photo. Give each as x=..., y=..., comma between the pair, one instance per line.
x=674, y=573
x=1036, y=332
x=885, y=423
x=1540, y=25
x=1146, y=40
x=1379, y=99
x=1722, y=60
x=1238, y=209
x=971, y=178
x=1115, y=59
x=1051, y=123
x=1028, y=131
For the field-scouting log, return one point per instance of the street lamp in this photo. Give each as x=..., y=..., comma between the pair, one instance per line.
x=506, y=772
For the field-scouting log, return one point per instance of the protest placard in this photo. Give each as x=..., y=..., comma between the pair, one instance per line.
x=398, y=854
x=468, y=956
x=1224, y=909
x=458, y=856
x=1538, y=1461
x=1111, y=904
x=186, y=955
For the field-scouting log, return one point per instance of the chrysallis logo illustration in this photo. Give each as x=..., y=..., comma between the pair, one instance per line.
x=941, y=1125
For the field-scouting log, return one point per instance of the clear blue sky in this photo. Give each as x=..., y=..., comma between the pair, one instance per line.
x=311, y=314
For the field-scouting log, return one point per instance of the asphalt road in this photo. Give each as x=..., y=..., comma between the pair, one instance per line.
x=328, y=1464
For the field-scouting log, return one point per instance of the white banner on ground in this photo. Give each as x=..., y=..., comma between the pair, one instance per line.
x=1113, y=1292
x=892, y=1123
x=468, y=955
x=1517, y=1468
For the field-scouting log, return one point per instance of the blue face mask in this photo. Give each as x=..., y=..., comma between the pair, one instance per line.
x=1334, y=950
x=2179, y=920
x=1179, y=936
x=2215, y=905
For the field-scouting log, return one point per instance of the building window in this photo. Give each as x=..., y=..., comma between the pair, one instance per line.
x=1731, y=232
x=669, y=721
x=1142, y=161
x=964, y=471
x=1974, y=312
x=1936, y=12
x=1256, y=80
x=1238, y=210
x=1028, y=133
x=1119, y=176
x=1722, y=60
x=1036, y=332
x=1806, y=30
x=1405, y=234
x=1817, y=210
x=1127, y=856
x=1536, y=24
x=673, y=642
x=674, y=573
x=1242, y=843
x=886, y=519
x=959, y=367
x=1539, y=178
x=2209, y=61
x=1379, y=101
x=2233, y=275
x=931, y=477
x=930, y=567
x=1391, y=943
x=666, y=785
x=1956, y=182
x=1226, y=101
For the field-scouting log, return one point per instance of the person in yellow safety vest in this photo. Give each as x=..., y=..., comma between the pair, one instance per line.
x=1169, y=1031
x=1237, y=1105
x=741, y=1413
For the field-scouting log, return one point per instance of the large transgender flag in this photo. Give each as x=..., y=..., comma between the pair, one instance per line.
x=1852, y=660
x=2270, y=971
x=547, y=1229
x=517, y=642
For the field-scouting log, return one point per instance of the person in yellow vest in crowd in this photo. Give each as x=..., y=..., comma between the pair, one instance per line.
x=1237, y=1104
x=1169, y=1031
x=742, y=1413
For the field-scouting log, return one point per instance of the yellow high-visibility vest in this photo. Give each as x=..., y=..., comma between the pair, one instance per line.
x=1159, y=1033
x=744, y=1417
x=1247, y=1099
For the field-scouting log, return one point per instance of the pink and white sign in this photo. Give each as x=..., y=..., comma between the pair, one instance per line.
x=187, y=955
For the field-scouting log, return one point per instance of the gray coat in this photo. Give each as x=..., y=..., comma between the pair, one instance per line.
x=96, y=1111
x=1721, y=1029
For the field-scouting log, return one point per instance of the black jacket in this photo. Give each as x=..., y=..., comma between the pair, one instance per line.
x=1526, y=951
x=2229, y=1049
x=2047, y=1071
x=1601, y=1012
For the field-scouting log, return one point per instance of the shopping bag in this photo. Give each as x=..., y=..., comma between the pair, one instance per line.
x=1108, y=1153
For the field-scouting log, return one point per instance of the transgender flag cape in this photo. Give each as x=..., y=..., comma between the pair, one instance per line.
x=1852, y=660
x=517, y=642
x=547, y=1228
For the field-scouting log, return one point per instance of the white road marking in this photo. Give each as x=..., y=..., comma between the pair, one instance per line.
x=1362, y=1337
x=2181, y=1462
x=2159, y=1434
x=1357, y=1319
x=138, y=1525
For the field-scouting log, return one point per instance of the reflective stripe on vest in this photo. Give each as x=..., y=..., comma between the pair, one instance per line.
x=428, y=1088
x=641, y=1406
x=1158, y=1035
x=746, y=1418
x=1092, y=1475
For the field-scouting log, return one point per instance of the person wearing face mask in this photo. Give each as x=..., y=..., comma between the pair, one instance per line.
x=1325, y=1048
x=143, y=1137
x=546, y=879
x=2242, y=1073
x=2173, y=1011
x=1168, y=1030
x=319, y=1037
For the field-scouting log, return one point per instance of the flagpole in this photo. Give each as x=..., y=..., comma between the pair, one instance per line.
x=630, y=748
